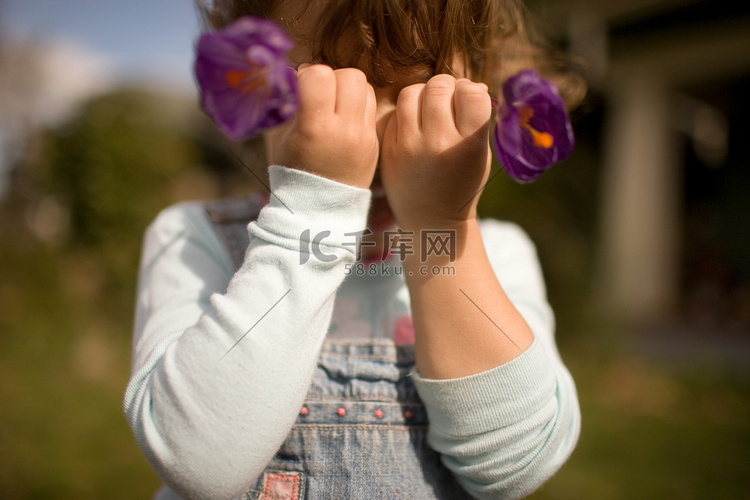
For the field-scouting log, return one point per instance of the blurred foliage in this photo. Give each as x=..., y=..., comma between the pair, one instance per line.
x=109, y=170
x=89, y=187
x=108, y=166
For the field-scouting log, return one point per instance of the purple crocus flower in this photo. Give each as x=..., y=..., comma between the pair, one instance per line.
x=245, y=80
x=533, y=131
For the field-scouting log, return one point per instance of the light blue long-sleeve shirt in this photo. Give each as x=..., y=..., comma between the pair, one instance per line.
x=222, y=360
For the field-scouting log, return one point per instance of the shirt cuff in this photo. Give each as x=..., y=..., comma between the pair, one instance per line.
x=489, y=400
x=307, y=207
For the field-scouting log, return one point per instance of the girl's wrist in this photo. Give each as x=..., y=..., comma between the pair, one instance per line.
x=438, y=249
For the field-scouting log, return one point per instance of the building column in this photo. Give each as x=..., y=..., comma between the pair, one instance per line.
x=639, y=271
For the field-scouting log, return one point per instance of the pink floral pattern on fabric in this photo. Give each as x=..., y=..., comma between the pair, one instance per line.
x=345, y=323
x=403, y=331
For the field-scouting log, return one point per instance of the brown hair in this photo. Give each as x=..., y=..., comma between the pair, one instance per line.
x=406, y=41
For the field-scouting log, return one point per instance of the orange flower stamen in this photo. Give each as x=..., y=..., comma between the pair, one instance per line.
x=541, y=139
x=246, y=81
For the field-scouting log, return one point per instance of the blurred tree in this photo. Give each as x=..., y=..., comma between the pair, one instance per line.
x=109, y=167
x=93, y=184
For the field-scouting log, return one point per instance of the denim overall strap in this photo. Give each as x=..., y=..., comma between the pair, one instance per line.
x=230, y=218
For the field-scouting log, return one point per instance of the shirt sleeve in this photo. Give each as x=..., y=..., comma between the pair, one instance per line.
x=505, y=431
x=221, y=361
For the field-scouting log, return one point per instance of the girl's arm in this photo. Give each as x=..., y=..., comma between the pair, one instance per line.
x=221, y=370
x=502, y=408
x=506, y=430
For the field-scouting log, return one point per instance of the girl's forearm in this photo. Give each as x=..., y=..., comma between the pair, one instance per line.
x=464, y=322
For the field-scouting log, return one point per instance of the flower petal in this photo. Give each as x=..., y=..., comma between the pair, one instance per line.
x=245, y=81
x=532, y=131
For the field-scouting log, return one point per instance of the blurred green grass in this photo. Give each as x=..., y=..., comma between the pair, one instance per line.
x=63, y=370
x=651, y=430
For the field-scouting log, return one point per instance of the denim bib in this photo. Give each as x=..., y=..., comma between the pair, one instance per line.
x=362, y=431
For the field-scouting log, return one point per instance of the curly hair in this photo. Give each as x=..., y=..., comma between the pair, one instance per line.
x=405, y=41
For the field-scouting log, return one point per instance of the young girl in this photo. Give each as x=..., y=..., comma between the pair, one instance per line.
x=269, y=363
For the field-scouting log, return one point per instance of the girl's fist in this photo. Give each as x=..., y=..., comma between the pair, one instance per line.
x=333, y=132
x=435, y=155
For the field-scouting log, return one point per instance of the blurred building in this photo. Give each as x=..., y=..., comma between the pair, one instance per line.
x=673, y=76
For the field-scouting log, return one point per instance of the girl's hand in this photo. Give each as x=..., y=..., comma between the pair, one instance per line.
x=333, y=132
x=435, y=155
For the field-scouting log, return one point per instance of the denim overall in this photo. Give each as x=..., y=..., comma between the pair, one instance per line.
x=361, y=433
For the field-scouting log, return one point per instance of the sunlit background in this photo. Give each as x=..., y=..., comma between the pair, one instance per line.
x=643, y=234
